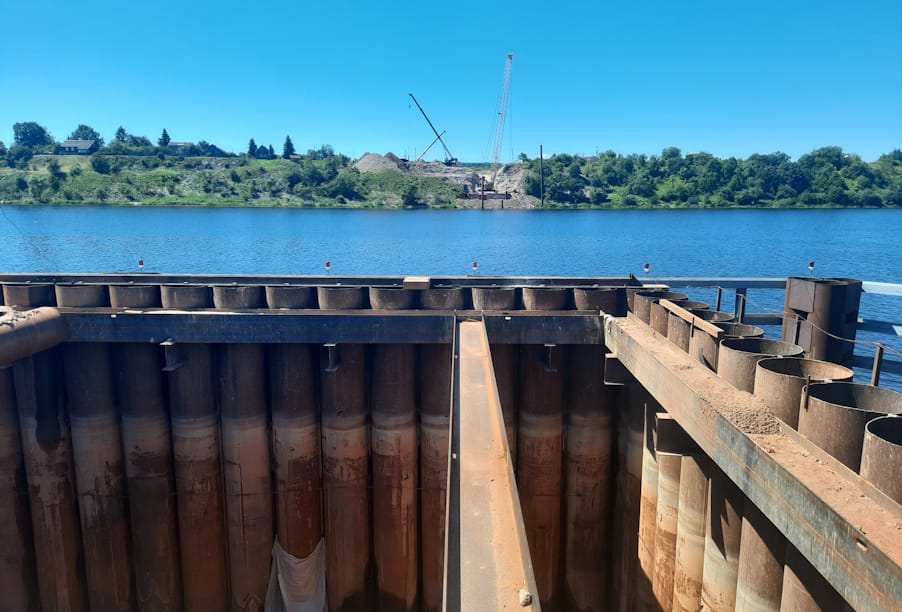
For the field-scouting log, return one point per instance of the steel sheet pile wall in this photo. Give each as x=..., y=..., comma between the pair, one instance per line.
x=162, y=475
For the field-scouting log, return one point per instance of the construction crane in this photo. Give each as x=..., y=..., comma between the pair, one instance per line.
x=426, y=150
x=450, y=160
x=502, y=110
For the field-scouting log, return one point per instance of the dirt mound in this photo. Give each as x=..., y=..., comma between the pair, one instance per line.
x=373, y=162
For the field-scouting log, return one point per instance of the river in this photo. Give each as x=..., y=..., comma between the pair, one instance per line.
x=865, y=244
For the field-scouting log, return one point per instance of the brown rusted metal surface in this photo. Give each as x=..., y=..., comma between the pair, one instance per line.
x=342, y=298
x=588, y=478
x=147, y=447
x=392, y=298
x=25, y=333
x=881, y=456
x=506, y=360
x=703, y=347
x=489, y=564
x=346, y=505
x=833, y=416
x=28, y=294
x=18, y=577
x=539, y=461
x=642, y=301
x=290, y=296
x=97, y=456
x=657, y=318
x=435, y=405
x=47, y=452
x=762, y=550
x=691, y=304
x=648, y=508
x=805, y=590
x=779, y=382
x=714, y=316
x=611, y=300
x=844, y=533
x=297, y=468
x=197, y=458
x=689, y=555
x=828, y=307
x=186, y=296
x=444, y=298
x=737, y=358
x=666, y=512
x=239, y=296
x=135, y=296
x=679, y=331
x=545, y=298
x=630, y=444
x=395, y=475
x=74, y=295
x=246, y=472
x=723, y=530
x=494, y=298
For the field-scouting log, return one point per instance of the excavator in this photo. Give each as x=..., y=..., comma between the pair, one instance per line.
x=450, y=160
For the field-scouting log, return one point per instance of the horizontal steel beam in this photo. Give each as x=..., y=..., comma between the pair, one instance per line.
x=837, y=521
x=472, y=280
x=323, y=326
x=882, y=288
x=487, y=561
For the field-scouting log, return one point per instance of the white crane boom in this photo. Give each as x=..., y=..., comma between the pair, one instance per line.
x=502, y=110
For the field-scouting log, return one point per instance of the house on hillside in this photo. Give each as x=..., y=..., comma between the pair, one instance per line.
x=177, y=146
x=77, y=147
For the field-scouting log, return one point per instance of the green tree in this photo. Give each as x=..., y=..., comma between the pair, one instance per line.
x=2, y=149
x=164, y=139
x=53, y=166
x=121, y=135
x=18, y=156
x=272, y=152
x=30, y=134
x=251, y=148
x=86, y=132
x=100, y=164
x=139, y=141
x=287, y=148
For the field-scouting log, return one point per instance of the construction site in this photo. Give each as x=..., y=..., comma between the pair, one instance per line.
x=180, y=442
x=488, y=186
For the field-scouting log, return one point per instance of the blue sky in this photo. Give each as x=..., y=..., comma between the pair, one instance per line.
x=730, y=78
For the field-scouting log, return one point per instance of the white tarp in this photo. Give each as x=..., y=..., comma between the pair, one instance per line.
x=297, y=585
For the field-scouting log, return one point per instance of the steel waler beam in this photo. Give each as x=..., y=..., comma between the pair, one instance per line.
x=487, y=562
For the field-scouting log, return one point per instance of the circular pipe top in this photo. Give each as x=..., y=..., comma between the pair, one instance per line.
x=715, y=316
x=804, y=369
x=739, y=330
x=857, y=396
x=762, y=346
x=690, y=304
x=887, y=428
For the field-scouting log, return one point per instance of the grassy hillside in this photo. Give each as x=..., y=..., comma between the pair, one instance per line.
x=215, y=181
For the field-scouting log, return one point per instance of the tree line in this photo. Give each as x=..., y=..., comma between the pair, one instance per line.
x=825, y=177
x=30, y=139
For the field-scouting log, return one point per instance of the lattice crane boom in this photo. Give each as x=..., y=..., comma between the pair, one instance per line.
x=502, y=110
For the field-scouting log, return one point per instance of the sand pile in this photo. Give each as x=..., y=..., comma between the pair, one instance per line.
x=373, y=162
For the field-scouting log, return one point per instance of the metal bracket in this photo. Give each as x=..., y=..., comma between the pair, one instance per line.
x=174, y=357
x=333, y=357
x=547, y=362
